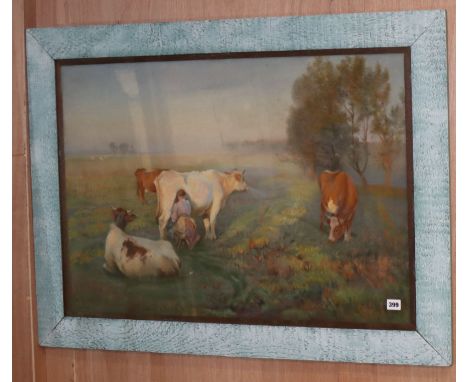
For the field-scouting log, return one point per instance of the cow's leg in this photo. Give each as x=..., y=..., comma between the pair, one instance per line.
x=348, y=226
x=212, y=234
x=109, y=264
x=141, y=192
x=163, y=219
x=213, y=214
x=163, y=210
x=333, y=225
x=347, y=234
x=322, y=214
x=206, y=223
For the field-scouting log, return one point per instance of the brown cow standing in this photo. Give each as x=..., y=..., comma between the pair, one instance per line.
x=338, y=203
x=145, y=181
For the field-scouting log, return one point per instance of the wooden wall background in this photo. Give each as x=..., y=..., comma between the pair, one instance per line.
x=33, y=363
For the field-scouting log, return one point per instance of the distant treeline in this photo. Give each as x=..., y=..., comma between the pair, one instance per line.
x=258, y=145
x=121, y=148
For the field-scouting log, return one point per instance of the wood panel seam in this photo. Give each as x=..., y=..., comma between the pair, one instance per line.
x=30, y=245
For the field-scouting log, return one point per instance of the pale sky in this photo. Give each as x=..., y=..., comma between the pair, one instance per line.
x=186, y=106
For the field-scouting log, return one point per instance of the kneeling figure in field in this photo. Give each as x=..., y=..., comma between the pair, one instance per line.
x=184, y=228
x=208, y=192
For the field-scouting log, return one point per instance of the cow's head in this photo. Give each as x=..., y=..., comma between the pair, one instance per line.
x=337, y=229
x=122, y=217
x=238, y=180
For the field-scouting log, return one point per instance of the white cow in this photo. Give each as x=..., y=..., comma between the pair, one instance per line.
x=207, y=190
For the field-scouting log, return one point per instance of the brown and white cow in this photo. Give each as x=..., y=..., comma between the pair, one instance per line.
x=145, y=182
x=134, y=256
x=338, y=203
x=207, y=190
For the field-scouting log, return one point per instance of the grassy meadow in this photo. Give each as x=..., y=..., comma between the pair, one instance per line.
x=270, y=264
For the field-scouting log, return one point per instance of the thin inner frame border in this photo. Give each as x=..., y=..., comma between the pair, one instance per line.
x=406, y=51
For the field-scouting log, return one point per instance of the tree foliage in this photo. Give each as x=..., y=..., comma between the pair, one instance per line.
x=389, y=128
x=336, y=108
x=121, y=148
x=113, y=148
x=316, y=121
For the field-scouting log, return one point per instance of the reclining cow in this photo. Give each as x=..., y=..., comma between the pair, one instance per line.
x=338, y=203
x=207, y=190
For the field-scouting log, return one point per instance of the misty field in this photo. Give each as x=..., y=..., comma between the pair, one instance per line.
x=270, y=264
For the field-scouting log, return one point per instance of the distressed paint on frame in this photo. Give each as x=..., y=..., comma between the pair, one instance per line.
x=429, y=345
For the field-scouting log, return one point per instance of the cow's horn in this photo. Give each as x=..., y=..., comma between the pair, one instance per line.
x=129, y=212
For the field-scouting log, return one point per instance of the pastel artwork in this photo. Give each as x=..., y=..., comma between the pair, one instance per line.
x=272, y=189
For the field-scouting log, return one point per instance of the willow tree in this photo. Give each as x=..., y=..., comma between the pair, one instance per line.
x=335, y=110
x=389, y=127
x=316, y=120
x=365, y=93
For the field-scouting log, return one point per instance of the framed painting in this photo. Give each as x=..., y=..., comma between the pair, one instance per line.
x=271, y=187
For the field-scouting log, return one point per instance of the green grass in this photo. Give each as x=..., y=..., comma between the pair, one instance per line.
x=270, y=262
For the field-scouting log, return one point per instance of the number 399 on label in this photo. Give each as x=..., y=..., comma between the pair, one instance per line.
x=393, y=304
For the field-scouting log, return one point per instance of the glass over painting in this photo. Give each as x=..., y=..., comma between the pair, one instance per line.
x=274, y=189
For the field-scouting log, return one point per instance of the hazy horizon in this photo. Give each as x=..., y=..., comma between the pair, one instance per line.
x=186, y=106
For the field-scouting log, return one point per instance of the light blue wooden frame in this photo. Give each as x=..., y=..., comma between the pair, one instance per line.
x=423, y=31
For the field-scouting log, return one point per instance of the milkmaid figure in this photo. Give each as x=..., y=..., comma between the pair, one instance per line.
x=183, y=228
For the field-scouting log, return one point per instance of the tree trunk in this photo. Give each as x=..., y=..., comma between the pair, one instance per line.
x=310, y=172
x=364, y=183
x=388, y=177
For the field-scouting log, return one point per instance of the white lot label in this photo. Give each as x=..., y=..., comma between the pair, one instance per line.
x=393, y=304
